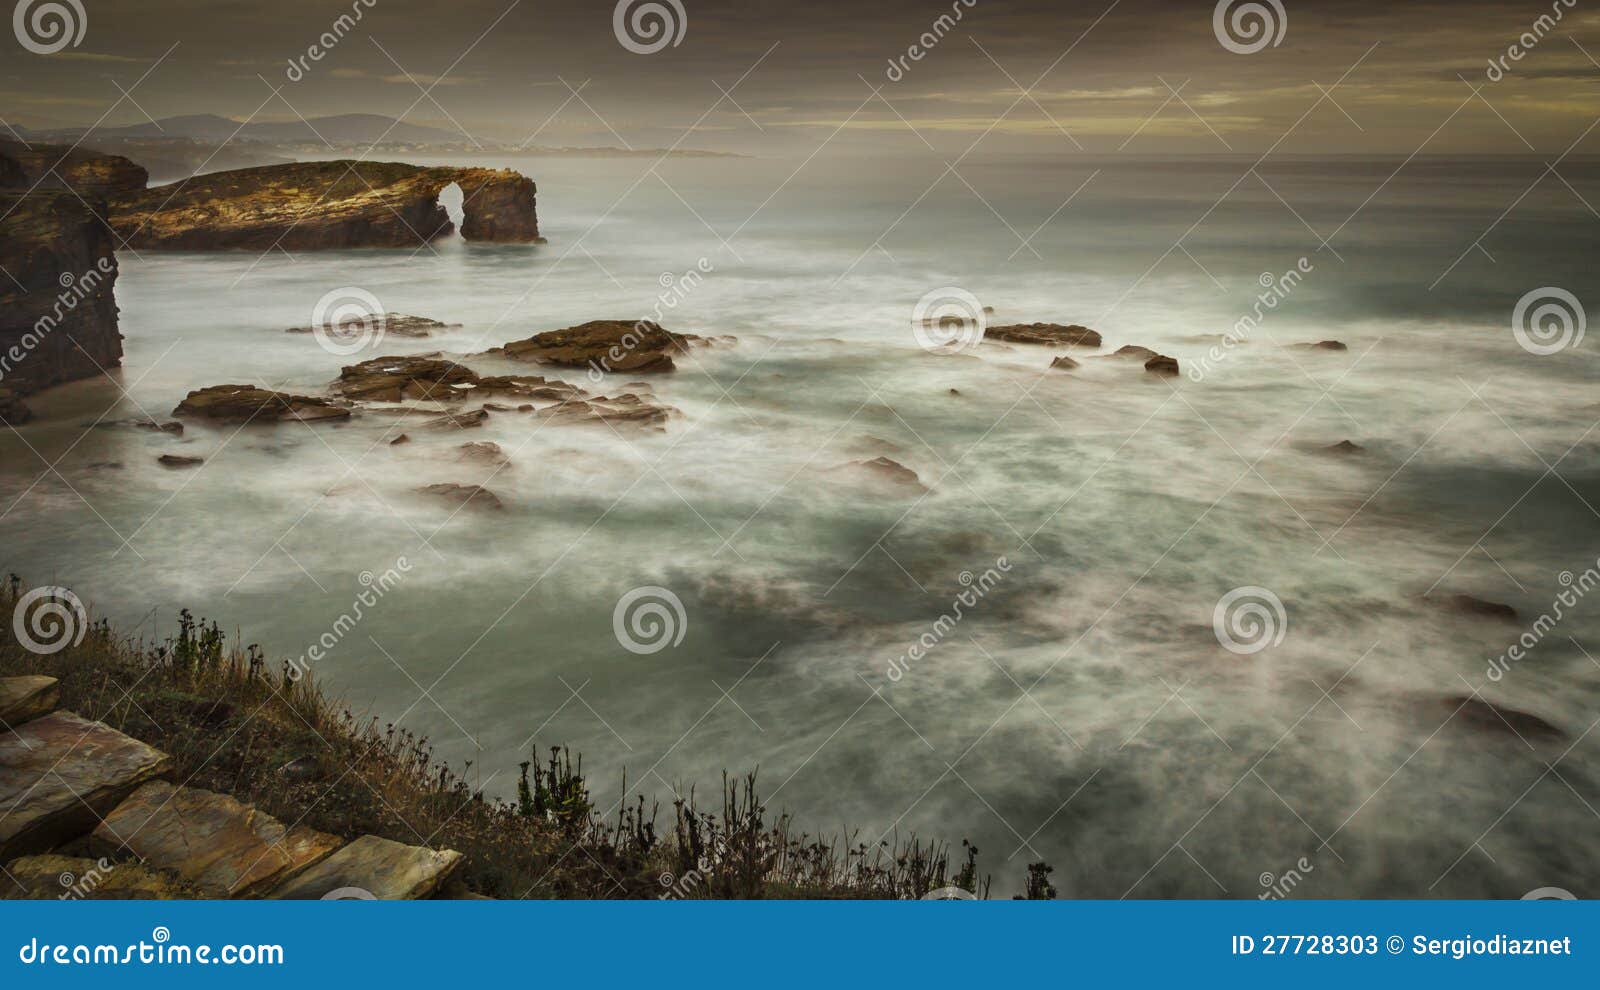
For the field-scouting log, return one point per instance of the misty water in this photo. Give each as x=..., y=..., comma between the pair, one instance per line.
x=1083, y=712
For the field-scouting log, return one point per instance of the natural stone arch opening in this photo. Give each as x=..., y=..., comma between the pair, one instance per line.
x=452, y=199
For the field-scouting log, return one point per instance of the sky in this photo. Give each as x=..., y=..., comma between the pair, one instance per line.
x=1065, y=77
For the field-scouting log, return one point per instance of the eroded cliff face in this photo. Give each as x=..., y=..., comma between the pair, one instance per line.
x=312, y=206
x=58, y=313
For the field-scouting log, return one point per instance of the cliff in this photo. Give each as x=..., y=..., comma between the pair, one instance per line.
x=58, y=315
x=310, y=206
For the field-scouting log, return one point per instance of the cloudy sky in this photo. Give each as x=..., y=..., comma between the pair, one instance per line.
x=1099, y=76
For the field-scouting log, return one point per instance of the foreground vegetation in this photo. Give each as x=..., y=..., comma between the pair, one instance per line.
x=232, y=724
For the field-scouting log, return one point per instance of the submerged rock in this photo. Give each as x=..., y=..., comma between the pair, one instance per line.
x=179, y=461
x=1051, y=334
x=171, y=426
x=248, y=403
x=891, y=473
x=458, y=421
x=624, y=410
x=1485, y=716
x=1319, y=345
x=1344, y=448
x=391, y=324
x=1477, y=607
x=1064, y=363
x=474, y=496
x=1133, y=352
x=608, y=345
x=487, y=454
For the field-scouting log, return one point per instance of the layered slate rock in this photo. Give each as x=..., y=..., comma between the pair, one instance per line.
x=71, y=878
x=309, y=206
x=247, y=403
x=1048, y=334
x=605, y=345
x=60, y=774
x=399, y=378
x=23, y=699
x=221, y=847
x=387, y=870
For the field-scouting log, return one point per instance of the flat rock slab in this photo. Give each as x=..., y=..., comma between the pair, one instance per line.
x=222, y=847
x=40, y=878
x=60, y=774
x=23, y=699
x=387, y=870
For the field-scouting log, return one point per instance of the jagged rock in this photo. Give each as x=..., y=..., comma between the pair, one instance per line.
x=1064, y=363
x=392, y=325
x=1052, y=334
x=58, y=312
x=395, y=379
x=59, y=774
x=247, y=403
x=308, y=206
x=624, y=410
x=47, y=878
x=472, y=496
x=1320, y=345
x=1162, y=366
x=401, y=439
x=382, y=868
x=222, y=847
x=1477, y=607
x=179, y=461
x=23, y=699
x=458, y=421
x=609, y=345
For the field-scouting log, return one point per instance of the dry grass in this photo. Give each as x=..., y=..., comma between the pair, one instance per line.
x=233, y=725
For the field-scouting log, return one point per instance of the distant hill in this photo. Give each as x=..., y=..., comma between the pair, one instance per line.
x=342, y=129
